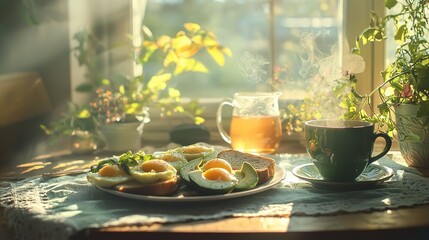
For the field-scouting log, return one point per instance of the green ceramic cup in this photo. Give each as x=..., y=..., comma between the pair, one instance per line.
x=341, y=149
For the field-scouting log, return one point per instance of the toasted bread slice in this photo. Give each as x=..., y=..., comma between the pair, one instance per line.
x=265, y=166
x=163, y=188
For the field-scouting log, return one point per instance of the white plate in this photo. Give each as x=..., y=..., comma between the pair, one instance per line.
x=372, y=176
x=181, y=197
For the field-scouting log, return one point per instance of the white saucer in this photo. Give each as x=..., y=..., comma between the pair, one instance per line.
x=372, y=176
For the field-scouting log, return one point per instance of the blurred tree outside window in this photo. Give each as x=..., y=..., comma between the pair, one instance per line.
x=269, y=40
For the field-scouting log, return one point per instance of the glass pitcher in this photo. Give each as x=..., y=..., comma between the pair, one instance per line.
x=255, y=125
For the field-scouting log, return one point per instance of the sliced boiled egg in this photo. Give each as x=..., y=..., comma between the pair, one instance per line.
x=175, y=159
x=217, y=163
x=218, y=174
x=108, y=176
x=194, y=151
x=213, y=181
x=154, y=170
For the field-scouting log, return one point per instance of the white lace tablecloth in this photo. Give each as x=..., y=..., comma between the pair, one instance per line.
x=57, y=208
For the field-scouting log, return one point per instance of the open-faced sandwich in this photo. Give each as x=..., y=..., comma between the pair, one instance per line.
x=195, y=167
x=135, y=173
x=230, y=170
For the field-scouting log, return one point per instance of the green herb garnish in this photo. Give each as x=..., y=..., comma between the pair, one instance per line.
x=102, y=163
x=129, y=159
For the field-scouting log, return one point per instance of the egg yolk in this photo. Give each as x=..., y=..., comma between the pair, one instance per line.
x=217, y=174
x=218, y=163
x=155, y=166
x=194, y=149
x=110, y=171
x=171, y=158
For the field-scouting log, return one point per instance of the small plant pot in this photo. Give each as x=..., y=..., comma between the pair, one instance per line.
x=413, y=135
x=121, y=137
x=83, y=142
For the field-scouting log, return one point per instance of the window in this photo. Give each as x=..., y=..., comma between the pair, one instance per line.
x=267, y=38
x=268, y=32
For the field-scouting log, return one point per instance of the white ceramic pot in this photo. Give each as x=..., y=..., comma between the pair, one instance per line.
x=121, y=137
x=413, y=135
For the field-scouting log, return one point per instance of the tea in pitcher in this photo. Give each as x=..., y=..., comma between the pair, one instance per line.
x=258, y=134
x=255, y=126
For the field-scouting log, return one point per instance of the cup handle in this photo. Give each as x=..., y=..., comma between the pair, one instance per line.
x=222, y=131
x=386, y=147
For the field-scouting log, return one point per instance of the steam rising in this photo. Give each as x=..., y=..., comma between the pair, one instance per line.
x=311, y=57
x=252, y=68
x=325, y=72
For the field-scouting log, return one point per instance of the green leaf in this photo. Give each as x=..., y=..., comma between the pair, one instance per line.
x=379, y=36
x=227, y=51
x=173, y=93
x=163, y=42
x=400, y=33
x=105, y=82
x=375, y=19
x=343, y=104
x=46, y=129
x=180, y=42
x=191, y=50
x=122, y=89
x=189, y=65
x=368, y=35
x=159, y=82
x=128, y=160
x=192, y=27
x=85, y=113
x=383, y=108
x=171, y=57
x=198, y=120
x=179, y=109
x=390, y=3
x=101, y=164
x=217, y=55
x=148, y=49
x=210, y=40
x=133, y=108
x=85, y=87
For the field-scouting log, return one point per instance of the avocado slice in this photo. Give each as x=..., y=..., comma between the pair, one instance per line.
x=210, y=187
x=247, y=177
x=189, y=167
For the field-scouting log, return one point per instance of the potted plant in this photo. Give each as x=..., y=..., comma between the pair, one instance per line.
x=122, y=104
x=79, y=125
x=404, y=92
x=171, y=56
x=120, y=118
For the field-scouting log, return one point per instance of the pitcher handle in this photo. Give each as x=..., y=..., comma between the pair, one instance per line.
x=222, y=131
x=386, y=147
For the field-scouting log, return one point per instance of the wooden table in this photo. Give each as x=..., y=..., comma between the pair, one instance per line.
x=410, y=223
x=405, y=223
